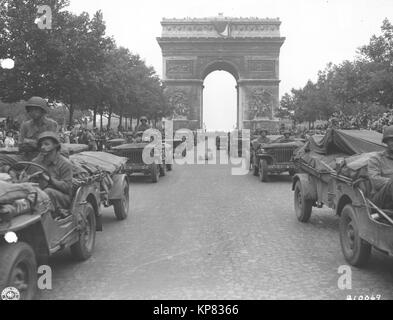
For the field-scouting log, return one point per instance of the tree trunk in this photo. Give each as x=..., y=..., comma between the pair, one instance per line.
x=109, y=119
x=121, y=118
x=71, y=114
x=95, y=117
x=102, y=113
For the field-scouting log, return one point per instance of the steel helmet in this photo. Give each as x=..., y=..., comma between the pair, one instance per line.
x=37, y=102
x=387, y=133
x=48, y=135
x=143, y=118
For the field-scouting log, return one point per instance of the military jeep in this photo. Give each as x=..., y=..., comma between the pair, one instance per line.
x=32, y=230
x=275, y=158
x=136, y=165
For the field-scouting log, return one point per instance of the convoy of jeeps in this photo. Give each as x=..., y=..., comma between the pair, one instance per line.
x=326, y=171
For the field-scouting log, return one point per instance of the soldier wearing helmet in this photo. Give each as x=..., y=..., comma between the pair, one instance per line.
x=380, y=170
x=36, y=108
x=59, y=168
x=286, y=138
x=143, y=125
x=263, y=138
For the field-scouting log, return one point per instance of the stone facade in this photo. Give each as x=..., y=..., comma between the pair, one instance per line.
x=248, y=48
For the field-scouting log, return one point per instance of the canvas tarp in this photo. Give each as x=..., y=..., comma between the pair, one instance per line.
x=101, y=161
x=355, y=147
x=11, y=192
x=348, y=142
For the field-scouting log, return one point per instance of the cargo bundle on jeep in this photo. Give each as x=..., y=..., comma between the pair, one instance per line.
x=333, y=172
x=28, y=218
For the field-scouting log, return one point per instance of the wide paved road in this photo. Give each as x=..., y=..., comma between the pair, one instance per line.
x=201, y=233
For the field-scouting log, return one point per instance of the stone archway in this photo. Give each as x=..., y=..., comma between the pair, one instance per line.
x=248, y=49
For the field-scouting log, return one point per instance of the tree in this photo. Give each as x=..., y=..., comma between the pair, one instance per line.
x=362, y=86
x=30, y=47
x=74, y=63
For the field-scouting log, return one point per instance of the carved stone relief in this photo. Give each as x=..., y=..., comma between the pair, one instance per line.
x=179, y=67
x=260, y=104
x=267, y=66
x=179, y=103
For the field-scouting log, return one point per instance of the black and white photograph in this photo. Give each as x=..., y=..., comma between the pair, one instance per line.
x=196, y=154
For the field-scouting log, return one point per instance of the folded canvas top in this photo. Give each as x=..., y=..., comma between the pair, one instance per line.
x=355, y=146
x=103, y=161
x=348, y=142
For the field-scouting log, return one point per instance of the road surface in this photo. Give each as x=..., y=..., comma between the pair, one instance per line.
x=202, y=233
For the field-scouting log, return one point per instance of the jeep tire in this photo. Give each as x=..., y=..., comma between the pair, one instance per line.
x=18, y=269
x=121, y=206
x=162, y=170
x=303, y=206
x=263, y=171
x=355, y=250
x=84, y=247
x=154, y=173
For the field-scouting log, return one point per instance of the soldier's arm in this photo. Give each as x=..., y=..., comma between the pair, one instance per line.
x=375, y=173
x=23, y=141
x=64, y=184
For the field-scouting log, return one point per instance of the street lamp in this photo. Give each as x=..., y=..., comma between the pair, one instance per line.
x=7, y=63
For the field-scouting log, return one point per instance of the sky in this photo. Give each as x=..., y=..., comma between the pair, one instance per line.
x=317, y=32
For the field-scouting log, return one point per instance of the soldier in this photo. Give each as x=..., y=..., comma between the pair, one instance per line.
x=143, y=126
x=36, y=108
x=89, y=139
x=256, y=144
x=380, y=170
x=263, y=136
x=59, y=187
x=286, y=137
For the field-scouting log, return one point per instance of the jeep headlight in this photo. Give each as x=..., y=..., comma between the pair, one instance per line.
x=11, y=237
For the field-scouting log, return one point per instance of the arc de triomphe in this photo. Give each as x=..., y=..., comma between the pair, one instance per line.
x=247, y=48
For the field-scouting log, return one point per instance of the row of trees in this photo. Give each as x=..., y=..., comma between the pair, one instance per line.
x=362, y=86
x=75, y=63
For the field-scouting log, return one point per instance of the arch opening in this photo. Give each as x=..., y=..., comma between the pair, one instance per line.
x=220, y=101
x=220, y=66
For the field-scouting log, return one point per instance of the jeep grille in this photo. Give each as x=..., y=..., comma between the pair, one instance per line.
x=281, y=154
x=134, y=156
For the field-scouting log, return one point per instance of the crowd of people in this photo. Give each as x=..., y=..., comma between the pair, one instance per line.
x=9, y=130
x=362, y=120
x=94, y=138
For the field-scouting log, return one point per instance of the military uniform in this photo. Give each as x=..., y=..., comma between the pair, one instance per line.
x=263, y=140
x=285, y=139
x=60, y=169
x=31, y=130
x=142, y=127
x=380, y=170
